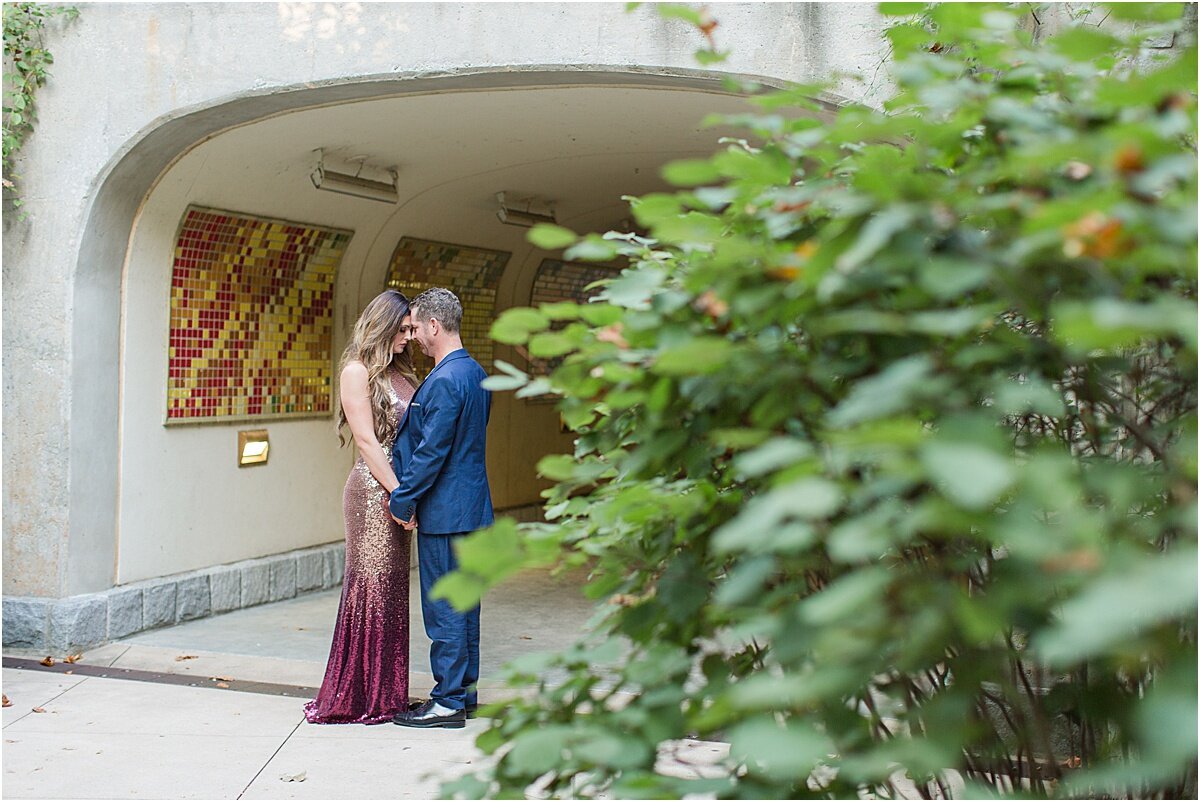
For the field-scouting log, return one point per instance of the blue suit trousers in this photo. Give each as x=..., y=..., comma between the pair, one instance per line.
x=454, y=653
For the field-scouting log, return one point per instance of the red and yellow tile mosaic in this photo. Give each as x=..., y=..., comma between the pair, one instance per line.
x=251, y=317
x=558, y=281
x=470, y=273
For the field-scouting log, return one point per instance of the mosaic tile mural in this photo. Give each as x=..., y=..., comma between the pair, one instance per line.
x=251, y=317
x=470, y=273
x=558, y=281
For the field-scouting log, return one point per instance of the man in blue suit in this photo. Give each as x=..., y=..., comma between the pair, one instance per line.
x=439, y=459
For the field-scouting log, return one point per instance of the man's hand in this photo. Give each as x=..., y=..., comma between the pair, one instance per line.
x=408, y=525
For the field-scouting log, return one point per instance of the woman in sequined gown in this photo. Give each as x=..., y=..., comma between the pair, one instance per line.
x=366, y=678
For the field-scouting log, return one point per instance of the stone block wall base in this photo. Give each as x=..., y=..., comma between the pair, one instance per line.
x=62, y=626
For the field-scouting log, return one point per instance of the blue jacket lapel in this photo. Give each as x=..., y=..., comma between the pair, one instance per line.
x=450, y=357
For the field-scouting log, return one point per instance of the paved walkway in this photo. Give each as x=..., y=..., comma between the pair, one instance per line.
x=199, y=711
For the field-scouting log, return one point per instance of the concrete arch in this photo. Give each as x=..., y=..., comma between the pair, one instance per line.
x=120, y=194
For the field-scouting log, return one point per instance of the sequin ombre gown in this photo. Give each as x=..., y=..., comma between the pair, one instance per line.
x=366, y=679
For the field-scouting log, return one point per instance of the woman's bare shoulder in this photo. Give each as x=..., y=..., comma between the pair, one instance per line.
x=354, y=371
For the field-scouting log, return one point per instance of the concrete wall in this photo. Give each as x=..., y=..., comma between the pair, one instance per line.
x=135, y=88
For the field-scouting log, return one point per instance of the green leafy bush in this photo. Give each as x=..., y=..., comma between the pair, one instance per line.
x=886, y=457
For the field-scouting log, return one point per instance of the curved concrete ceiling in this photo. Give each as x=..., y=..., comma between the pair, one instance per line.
x=583, y=147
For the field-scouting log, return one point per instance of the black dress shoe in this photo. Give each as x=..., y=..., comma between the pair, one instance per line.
x=425, y=717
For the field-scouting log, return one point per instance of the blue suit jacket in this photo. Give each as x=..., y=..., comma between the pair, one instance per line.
x=439, y=450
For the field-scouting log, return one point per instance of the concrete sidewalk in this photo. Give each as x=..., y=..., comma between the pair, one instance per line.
x=202, y=711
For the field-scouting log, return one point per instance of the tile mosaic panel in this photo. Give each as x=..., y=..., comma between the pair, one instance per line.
x=251, y=317
x=558, y=281
x=470, y=273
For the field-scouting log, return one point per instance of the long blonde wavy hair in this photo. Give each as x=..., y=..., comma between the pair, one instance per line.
x=371, y=344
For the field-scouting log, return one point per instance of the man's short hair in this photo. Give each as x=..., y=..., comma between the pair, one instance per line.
x=441, y=304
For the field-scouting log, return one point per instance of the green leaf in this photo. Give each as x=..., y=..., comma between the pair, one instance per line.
x=1030, y=395
x=737, y=438
x=1167, y=720
x=884, y=395
x=690, y=228
x=860, y=539
x=758, y=527
x=699, y=355
x=950, y=279
x=463, y=591
x=653, y=209
x=592, y=248
x=969, y=474
x=495, y=551
x=778, y=453
x=502, y=383
x=633, y=288
x=600, y=314
x=564, y=310
x=512, y=378
x=846, y=597
x=1108, y=323
x=951, y=322
x=878, y=231
x=1084, y=43
x=515, y=325
x=1115, y=609
x=745, y=581
x=677, y=11
x=690, y=172
x=781, y=752
x=537, y=751
x=709, y=57
x=556, y=467
x=468, y=786
x=551, y=237
x=550, y=344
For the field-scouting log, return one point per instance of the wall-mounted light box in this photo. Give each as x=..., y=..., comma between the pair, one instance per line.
x=254, y=447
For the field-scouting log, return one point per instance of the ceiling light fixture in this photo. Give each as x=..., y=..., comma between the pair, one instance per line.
x=354, y=184
x=536, y=211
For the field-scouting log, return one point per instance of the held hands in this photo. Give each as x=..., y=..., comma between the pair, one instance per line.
x=408, y=525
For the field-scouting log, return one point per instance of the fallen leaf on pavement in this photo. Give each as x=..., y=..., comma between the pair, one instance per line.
x=293, y=778
x=222, y=684
x=48, y=661
x=39, y=710
x=6, y=702
x=222, y=679
x=73, y=658
x=183, y=657
x=526, y=637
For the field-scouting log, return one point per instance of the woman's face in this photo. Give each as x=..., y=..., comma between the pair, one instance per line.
x=400, y=341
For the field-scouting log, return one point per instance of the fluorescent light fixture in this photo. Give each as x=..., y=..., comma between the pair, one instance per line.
x=254, y=447
x=535, y=211
x=355, y=185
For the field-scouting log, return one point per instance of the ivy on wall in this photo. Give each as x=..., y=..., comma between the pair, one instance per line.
x=25, y=65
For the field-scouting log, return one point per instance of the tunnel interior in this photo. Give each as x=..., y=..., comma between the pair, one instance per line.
x=193, y=320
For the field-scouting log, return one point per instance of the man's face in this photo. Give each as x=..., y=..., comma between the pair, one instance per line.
x=422, y=334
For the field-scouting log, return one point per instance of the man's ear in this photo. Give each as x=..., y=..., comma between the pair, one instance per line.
x=435, y=326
